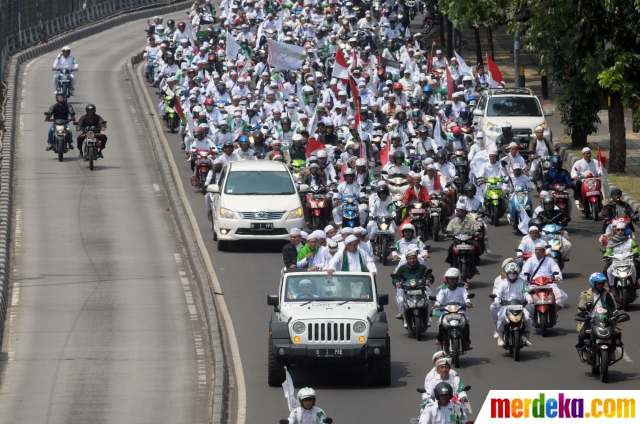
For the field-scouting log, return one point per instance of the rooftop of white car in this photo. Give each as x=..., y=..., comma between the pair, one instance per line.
x=257, y=165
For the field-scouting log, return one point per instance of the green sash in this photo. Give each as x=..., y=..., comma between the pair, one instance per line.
x=345, y=262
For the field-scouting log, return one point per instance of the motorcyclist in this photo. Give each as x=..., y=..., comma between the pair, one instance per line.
x=551, y=215
x=465, y=119
x=412, y=270
x=440, y=354
x=379, y=206
x=325, y=166
x=363, y=176
x=315, y=177
x=556, y=175
x=618, y=244
x=540, y=147
x=513, y=156
x=596, y=297
x=617, y=208
x=416, y=190
x=529, y=242
x=540, y=265
x=506, y=137
x=297, y=150
x=518, y=179
x=228, y=154
x=443, y=410
x=60, y=110
x=446, y=168
x=245, y=152
x=348, y=187
x=307, y=412
x=396, y=166
x=513, y=288
x=463, y=223
x=91, y=119
x=472, y=203
x=64, y=60
x=452, y=292
x=580, y=170
x=277, y=149
x=403, y=245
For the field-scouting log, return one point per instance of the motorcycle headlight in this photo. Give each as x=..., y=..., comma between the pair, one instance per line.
x=515, y=318
x=421, y=303
x=418, y=205
x=298, y=327
x=384, y=226
x=59, y=129
x=295, y=214
x=411, y=303
x=350, y=200
x=605, y=333
x=226, y=213
x=623, y=274
x=359, y=327
x=493, y=196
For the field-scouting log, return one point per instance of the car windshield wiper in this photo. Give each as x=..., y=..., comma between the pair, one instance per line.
x=306, y=303
x=346, y=301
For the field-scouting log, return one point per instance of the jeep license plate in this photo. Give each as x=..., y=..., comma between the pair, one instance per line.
x=328, y=353
x=262, y=226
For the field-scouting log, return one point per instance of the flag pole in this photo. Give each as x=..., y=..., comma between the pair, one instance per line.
x=431, y=57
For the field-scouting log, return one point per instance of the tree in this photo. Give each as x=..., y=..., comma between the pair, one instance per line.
x=579, y=106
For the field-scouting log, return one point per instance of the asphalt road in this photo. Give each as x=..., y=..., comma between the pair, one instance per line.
x=105, y=323
x=250, y=271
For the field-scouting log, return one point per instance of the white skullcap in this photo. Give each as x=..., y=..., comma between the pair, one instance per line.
x=621, y=225
x=492, y=150
x=305, y=282
x=313, y=235
x=351, y=239
x=479, y=134
x=359, y=230
x=448, y=103
x=544, y=193
x=333, y=246
x=539, y=243
x=328, y=228
x=337, y=238
x=513, y=144
x=430, y=166
x=539, y=128
x=347, y=230
x=443, y=361
x=517, y=166
x=533, y=227
x=321, y=234
x=295, y=232
x=304, y=235
x=382, y=183
x=438, y=51
x=461, y=205
x=438, y=354
x=412, y=174
x=585, y=150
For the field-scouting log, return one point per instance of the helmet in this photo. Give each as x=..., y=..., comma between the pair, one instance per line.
x=306, y=393
x=616, y=192
x=506, y=126
x=423, y=129
x=160, y=29
x=548, y=201
x=457, y=130
x=353, y=127
x=349, y=171
x=511, y=267
x=90, y=108
x=296, y=138
x=257, y=134
x=467, y=78
x=426, y=89
x=321, y=154
x=182, y=25
x=222, y=87
x=205, y=127
x=556, y=162
x=198, y=131
x=597, y=277
x=470, y=187
x=452, y=273
x=443, y=389
x=60, y=97
x=285, y=121
x=243, y=139
x=171, y=22
x=397, y=86
x=208, y=101
x=66, y=49
x=464, y=112
x=408, y=227
x=387, y=76
x=383, y=189
x=361, y=162
x=441, y=154
x=535, y=222
x=398, y=154
x=227, y=144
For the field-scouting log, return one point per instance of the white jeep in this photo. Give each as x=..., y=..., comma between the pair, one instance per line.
x=327, y=320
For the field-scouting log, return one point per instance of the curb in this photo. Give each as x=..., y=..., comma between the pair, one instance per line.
x=7, y=143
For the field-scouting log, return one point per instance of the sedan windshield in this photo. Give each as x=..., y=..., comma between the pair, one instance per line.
x=259, y=183
x=513, y=106
x=324, y=288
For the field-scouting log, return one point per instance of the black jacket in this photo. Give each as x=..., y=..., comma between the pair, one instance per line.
x=61, y=111
x=320, y=179
x=289, y=255
x=556, y=216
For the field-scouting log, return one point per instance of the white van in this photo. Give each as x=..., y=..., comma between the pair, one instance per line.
x=255, y=200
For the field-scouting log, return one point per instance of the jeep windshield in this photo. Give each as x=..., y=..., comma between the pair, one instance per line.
x=305, y=288
x=259, y=183
x=513, y=106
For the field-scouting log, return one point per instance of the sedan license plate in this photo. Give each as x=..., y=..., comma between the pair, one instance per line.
x=418, y=211
x=464, y=247
x=262, y=226
x=414, y=292
x=328, y=353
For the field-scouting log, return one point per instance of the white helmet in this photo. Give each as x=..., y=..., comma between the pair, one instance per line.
x=467, y=78
x=349, y=171
x=160, y=29
x=408, y=227
x=306, y=393
x=66, y=49
x=321, y=154
x=296, y=137
x=361, y=162
x=452, y=273
x=197, y=109
x=506, y=124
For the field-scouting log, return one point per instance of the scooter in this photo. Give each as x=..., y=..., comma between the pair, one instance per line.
x=327, y=420
x=544, y=166
x=202, y=165
x=601, y=349
x=434, y=216
x=493, y=201
x=464, y=253
x=452, y=324
x=171, y=118
x=561, y=197
x=544, y=301
x=461, y=163
x=418, y=218
x=397, y=184
x=416, y=304
x=519, y=201
x=316, y=203
x=381, y=247
x=350, y=211
x=513, y=327
x=591, y=196
x=623, y=284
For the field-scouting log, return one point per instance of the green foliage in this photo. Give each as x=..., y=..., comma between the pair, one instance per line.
x=472, y=13
x=579, y=106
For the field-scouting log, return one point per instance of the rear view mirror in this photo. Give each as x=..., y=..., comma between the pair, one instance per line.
x=213, y=188
x=548, y=112
x=272, y=300
x=493, y=296
x=466, y=388
x=471, y=295
x=383, y=299
x=432, y=298
x=304, y=188
x=421, y=390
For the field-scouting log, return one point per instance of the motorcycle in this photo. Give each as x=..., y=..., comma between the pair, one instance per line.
x=152, y=69
x=453, y=323
x=416, y=304
x=623, y=284
x=600, y=349
x=591, y=196
x=493, y=202
x=544, y=166
x=91, y=144
x=171, y=118
x=376, y=6
x=418, y=218
x=350, y=211
x=296, y=167
x=202, y=166
x=464, y=253
x=461, y=163
x=64, y=83
x=561, y=196
x=431, y=19
x=413, y=8
x=519, y=201
x=60, y=131
x=544, y=301
x=434, y=216
x=397, y=184
x=316, y=203
x=513, y=327
x=553, y=232
x=381, y=247
x=327, y=420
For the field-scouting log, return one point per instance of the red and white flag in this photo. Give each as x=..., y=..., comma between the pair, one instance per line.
x=495, y=76
x=340, y=68
x=451, y=86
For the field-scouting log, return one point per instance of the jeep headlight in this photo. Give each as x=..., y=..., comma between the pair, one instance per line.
x=493, y=128
x=226, y=213
x=295, y=214
x=359, y=327
x=298, y=327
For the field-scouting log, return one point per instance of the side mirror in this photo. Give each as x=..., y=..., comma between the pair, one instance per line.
x=475, y=123
x=466, y=388
x=393, y=276
x=582, y=309
x=493, y=296
x=421, y=390
x=381, y=172
x=623, y=318
x=75, y=123
x=304, y=188
x=272, y=300
x=213, y=188
x=285, y=421
x=432, y=298
x=335, y=190
x=383, y=299
x=427, y=247
x=471, y=295
x=327, y=420
x=548, y=112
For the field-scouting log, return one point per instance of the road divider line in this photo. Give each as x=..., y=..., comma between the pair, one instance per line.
x=627, y=358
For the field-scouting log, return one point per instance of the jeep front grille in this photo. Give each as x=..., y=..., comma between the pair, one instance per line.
x=329, y=332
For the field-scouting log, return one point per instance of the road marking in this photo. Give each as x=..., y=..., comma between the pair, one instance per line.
x=156, y=188
x=627, y=358
x=14, y=289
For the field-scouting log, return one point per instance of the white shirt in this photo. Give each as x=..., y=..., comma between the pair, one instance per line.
x=581, y=168
x=345, y=189
x=458, y=295
x=490, y=171
x=510, y=291
x=433, y=414
x=548, y=269
x=447, y=169
x=233, y=157
x=354, y=260
x=305, y=416
x=62, y=62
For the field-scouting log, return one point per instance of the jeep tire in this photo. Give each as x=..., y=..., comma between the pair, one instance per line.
x=276, y=374
x=380, y=369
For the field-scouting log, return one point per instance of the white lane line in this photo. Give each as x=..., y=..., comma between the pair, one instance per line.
x=15, y=289
x=627, y=358
x=156, y=188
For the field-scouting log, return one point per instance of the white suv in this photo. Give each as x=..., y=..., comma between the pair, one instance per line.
x=327, y=320
x=255, y=200
x=519, y=106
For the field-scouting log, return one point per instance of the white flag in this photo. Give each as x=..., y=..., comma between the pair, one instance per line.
x=523, y=225
x=285, y=56
x=437, y=134
x=464, y=69
x=232, y=47
x=289, y=394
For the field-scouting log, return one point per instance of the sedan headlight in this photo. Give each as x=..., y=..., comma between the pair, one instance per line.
x=359, y=327
x=295, y=214
x=298, y=327
x=226, y=213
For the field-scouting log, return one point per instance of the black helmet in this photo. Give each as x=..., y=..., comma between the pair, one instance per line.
x=470, y=187
x=90, y=108
x=443, y=389
x=556, y=162
x=171, y=22
x=547, y=201
x=398, y=154
x=441, y=154
x=222, y=87
x=616, y=192
x=535, y=222
x=388, y=76
x=423, y=129
x=168, y=55
x=285, y=121
x=258, y=134
x=227, y=144
x=383, y=189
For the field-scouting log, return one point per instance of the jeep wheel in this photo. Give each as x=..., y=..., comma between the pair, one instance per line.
x=380, y=369
x=276, y=375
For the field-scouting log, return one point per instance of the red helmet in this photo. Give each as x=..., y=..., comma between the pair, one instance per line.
x=457, y=130
x=212, y=57
x=208, y=101
x=397, y=86
x=381, y=72
x=181, y=25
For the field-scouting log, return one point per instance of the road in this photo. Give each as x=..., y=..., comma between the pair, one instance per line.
x=105, y=323
x=250, y=271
